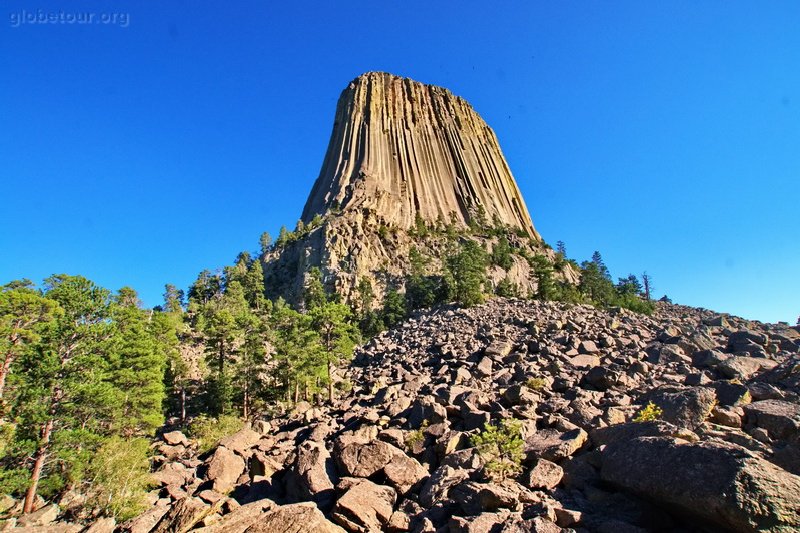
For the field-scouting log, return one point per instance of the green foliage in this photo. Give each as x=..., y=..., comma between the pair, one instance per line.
x=629, y=286
x=383, y=232
x=502, y=448
x=417, y=436
x=502, y=254
x=297, y=349
x=537, y=384
x=338, y=336
x=543, y=271
x=314, y=292
x=595, y=281
x=466, y=272
x=507, y=289
x=173, y=299
x=137, y=360
x=420, y=229
x=208, y=431
x=635, y=304
x=649, y=412
x=423, y=290
x=264, y=242
x=119, y=478
x=394, y=308
x=89, y=376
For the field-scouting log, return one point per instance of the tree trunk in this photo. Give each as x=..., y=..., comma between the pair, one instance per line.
x=4, y=372
x=36, y=474
x=246, y=404
x=7, y=365
x=330, y=382
x=296, y=391
x=183, y=404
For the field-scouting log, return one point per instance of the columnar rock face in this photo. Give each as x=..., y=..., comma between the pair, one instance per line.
x=405, y=150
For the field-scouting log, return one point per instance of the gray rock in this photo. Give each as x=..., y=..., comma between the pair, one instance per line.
x=554, y=445
x=241, y=441
x=632, y=430
x=364, y=459
x=722, y=484
x=780, y=419
x=687, y=408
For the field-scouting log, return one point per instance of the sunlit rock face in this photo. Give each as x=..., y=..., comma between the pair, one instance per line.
x=405, y=150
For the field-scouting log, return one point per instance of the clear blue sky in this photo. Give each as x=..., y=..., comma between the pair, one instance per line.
x=666, y=135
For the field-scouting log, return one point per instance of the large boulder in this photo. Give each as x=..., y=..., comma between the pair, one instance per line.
x=358, y=459
x=241, y=441
x=175, y=438
x=632, y=430
x=183, y=516
x=145, y=522
x=309, y=478
x=241, y=518
x=295, y=518
x=365, y=506
x=404, y=472
x=439, y=484
x=554, y=445
x=723, y=484
x=224, y=468
x=686, y=408
x=780, y=419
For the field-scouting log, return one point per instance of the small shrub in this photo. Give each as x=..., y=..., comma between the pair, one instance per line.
x=507, y=288
x=501, y=447
x=417, y=436
x=208, y=431
x=344, y=385
x=120, y=479
x=537, y=384
x=383, y=233
x=650, y=412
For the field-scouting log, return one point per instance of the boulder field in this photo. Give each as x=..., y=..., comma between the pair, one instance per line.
x=686, y=420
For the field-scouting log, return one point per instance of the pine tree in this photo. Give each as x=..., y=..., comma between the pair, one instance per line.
x=221, y=321
x=138, y=359
x=337, y=335
x=64, y=382
x=314, y=292
x=173, y=299
x=296, y=348
x=467, y=271
x=23, y=313
x=629, y=286
x=394, y=308
x=543, y=271
x=502, y=254
x=265, y=241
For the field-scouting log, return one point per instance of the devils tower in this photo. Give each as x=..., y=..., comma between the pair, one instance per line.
x=409, y=166
x=407, y=150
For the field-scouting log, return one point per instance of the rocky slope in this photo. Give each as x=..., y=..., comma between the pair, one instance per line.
x=397, y=454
